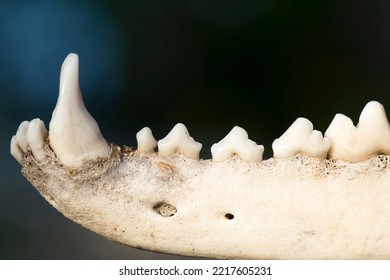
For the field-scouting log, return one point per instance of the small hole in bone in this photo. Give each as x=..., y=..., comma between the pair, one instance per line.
x=229, y=216
x=165, y=209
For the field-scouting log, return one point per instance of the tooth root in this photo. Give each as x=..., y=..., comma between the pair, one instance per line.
x=145, y=140
x=237, y=143
x=15, y=150
x=179, y=140
x=36, y=134
x=21, y=136
x=74, y=135
x=371, y=136
x=300, y=137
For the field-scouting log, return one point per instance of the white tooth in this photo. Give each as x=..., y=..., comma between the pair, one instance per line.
x=145, y=140
x=15, y=150
x=179, y=140
x=300, y=137
x=237, y=143
x=74, y=134
x=21, y=136
x=36, y=134
x=371, y=136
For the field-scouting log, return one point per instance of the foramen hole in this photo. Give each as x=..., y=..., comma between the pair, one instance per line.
x=165, y=209
x=229, y=216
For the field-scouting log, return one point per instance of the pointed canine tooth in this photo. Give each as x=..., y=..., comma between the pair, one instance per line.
x=74, y=134
x=36, y=134
x=145, y=140
x=179, y=140
x=300, y=137
x=21, y=136
x=15, y=150
x=371, y=136
x=237, y=143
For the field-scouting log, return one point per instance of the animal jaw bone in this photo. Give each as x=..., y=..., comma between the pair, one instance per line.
x=294, y=206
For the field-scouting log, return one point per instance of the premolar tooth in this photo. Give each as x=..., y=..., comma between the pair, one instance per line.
x=74, y=135
x=145, y=140
x=36, y=134
x=237, y=143
x=369, y=137
x=300, y=137
x=179, y=140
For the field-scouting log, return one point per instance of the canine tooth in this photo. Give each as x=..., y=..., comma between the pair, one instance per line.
x=300, y=137
x=15, y=150
x=36, y=134
x=21, y=136
x=237, y=143
x=145, y=140
x=74, y=134
x=179, y=140
x=369, y=137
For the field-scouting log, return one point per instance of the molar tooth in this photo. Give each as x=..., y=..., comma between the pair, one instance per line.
x=74, y=134
x=300, y=137
x=36, y=134
x=237, y=143
x=145, y=140
x=179, y=140
x=369, y=137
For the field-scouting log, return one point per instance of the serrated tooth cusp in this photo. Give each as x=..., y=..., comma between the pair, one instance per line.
x=179, y=140
x=237, y=143
x=301, y=138
x=74, y=134
x=371, y=136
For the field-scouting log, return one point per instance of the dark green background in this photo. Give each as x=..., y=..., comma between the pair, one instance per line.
x=208, y=64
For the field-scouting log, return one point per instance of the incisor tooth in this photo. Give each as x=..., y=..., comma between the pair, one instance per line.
x=15, y=150
x=300, y=137
x=36, y=134
x=21, y=136
x=74, y=135
x=179, y=140
x=145, y=140
x=371, y=136
x=237, y=143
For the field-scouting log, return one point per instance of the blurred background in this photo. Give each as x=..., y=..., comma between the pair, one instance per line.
x=208, y=64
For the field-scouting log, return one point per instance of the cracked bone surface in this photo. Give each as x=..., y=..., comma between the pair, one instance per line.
x=299, y=207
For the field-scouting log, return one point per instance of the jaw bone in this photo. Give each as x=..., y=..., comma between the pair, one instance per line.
x=295, y=207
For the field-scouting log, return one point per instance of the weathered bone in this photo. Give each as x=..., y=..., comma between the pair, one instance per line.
x=299, y=207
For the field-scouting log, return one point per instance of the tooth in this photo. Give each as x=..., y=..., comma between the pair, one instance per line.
x=15, y=150
x=36, y=134
x=21, y=136
x=371, y=136
x=145, y=140
x=179, y=140
x=300, y=137
x=74, y=135
x=237, y=143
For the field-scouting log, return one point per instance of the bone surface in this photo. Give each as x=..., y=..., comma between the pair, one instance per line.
x=301, y=138
x=370, y=137
x=237, y=143
x=300, y=207
x=179, y=140
x=74, y=134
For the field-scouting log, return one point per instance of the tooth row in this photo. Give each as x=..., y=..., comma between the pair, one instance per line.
x=75, y=136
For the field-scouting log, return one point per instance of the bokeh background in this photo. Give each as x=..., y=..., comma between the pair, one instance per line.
x=209, y=64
